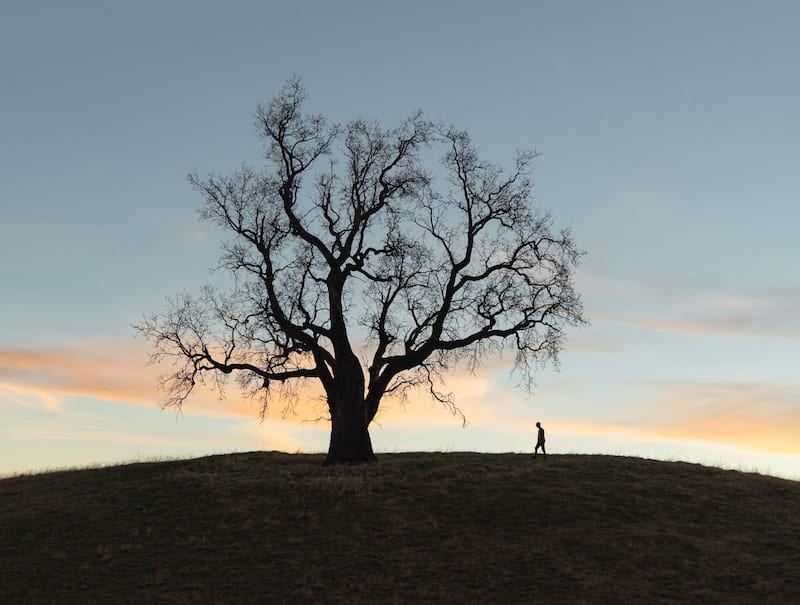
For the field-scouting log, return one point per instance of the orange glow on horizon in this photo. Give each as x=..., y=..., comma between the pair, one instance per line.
x=748, y=417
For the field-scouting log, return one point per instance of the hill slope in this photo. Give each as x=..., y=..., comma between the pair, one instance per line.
x=411, y=528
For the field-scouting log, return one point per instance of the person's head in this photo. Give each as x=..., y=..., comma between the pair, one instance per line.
x=538, y=424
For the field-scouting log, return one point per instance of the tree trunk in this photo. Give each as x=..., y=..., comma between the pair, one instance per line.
x=350, y=442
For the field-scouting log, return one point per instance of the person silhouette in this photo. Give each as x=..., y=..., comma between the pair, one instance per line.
x=540, y=441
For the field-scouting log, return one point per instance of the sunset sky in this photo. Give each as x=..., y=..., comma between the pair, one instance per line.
x=669, y=138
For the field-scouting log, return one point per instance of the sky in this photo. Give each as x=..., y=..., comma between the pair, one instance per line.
x=668, y=133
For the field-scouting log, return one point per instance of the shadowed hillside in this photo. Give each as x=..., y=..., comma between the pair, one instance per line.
x=411, y=528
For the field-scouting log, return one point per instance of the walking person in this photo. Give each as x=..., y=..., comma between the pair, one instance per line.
x=540, y=441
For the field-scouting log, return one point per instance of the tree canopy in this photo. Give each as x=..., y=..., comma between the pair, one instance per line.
x=364, y=265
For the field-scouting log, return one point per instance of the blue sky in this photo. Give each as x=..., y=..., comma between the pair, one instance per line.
x=669, y=139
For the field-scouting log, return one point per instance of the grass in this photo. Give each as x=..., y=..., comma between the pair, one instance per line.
x=411, y=528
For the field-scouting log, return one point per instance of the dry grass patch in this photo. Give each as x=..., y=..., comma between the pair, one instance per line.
x=411, y=528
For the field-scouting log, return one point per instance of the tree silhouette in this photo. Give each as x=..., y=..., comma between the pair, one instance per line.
x=359, y=268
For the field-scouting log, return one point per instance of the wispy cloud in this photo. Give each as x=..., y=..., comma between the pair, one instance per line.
x=105, y=371
x=719, y=326
x=109, y=371
x=754, y=416
x=119, y=372
x=28, y=397
x=697, y=309
x=280, y=436
x=759, y=416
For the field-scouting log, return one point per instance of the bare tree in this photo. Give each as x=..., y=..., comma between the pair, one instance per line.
x=359, y=268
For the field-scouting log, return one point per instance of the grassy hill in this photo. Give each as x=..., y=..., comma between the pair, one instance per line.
x=411, y=528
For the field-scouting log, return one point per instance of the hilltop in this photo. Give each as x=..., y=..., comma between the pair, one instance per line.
x=411, y=528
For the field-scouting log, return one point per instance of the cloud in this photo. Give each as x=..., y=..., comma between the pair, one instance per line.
x=119, y=372
x=758, y=416
x=593, y=340
x=753, y=416
x=28, y=397
x=280, y=436
x=108, y=371
x=692, y=308
x=721, y=326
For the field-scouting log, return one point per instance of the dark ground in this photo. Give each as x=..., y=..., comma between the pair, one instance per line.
x=410, y=528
